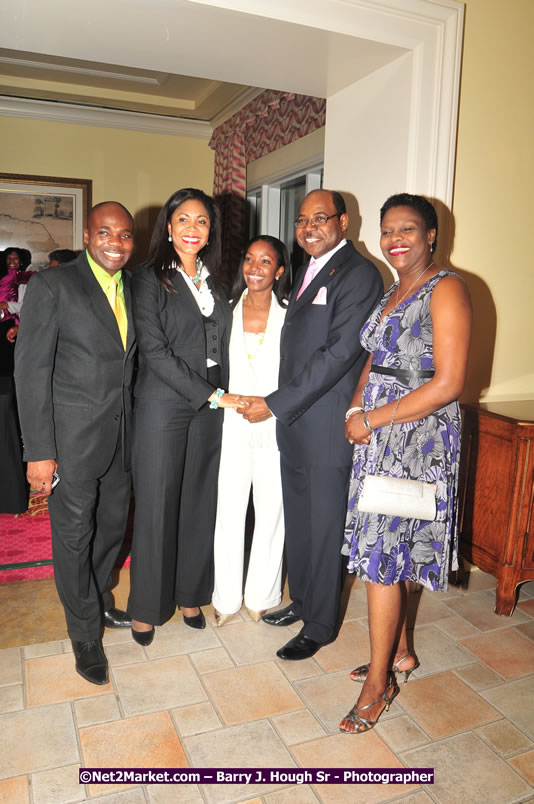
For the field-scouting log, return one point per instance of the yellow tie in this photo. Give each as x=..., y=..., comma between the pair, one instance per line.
x=118, y=309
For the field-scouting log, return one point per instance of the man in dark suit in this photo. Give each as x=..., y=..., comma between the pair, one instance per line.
x=320, y=362
x=73, y=373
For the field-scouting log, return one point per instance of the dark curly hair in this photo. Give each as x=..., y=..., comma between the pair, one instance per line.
x=282, y=286
x=63, y=255
x=420, y=204
x=162, y=256
x=23, y=254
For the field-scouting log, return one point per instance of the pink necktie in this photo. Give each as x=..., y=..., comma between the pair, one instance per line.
x=308, y=276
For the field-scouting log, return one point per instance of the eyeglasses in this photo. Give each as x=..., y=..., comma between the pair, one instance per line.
x=317, y=220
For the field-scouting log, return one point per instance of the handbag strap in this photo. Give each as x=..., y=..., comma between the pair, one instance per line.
x=381, y=458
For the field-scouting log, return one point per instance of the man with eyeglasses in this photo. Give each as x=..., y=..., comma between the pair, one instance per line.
x=320, y=363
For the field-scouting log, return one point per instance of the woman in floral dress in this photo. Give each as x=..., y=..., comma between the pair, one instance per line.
x=418, y=337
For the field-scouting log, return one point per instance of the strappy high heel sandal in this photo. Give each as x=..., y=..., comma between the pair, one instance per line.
x=362, y=724
x=409, y=671
x=359, y=674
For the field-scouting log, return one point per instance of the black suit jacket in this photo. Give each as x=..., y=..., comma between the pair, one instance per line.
x=72, y=374
x=321, y=359
x=173, y=340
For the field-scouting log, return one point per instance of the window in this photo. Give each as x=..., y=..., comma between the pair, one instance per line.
x=273, y=208
x=254, y=213
x=291, y=194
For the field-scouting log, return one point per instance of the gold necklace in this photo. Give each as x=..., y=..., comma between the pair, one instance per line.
x=417, y=278
x=262, y=334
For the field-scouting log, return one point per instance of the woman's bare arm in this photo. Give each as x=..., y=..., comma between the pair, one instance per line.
x=450, y=309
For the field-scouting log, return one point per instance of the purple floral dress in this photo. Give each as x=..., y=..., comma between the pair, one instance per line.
x=388, y=549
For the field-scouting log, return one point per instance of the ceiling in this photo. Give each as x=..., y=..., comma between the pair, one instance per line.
x=183, y=58
x=45, y=77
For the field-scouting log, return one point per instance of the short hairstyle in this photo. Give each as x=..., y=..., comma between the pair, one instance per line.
x=4, y=256
x=339, y=202
x=337, y=199
x=282, y=286
x=105, y=204
x=19, y=252
x=162, y=257
x=62, y=255
x=25, y=257
x=420, y=204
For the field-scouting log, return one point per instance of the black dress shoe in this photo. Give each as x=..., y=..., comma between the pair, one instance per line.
x=115, y=618
x=281, y=617
x=300, y=647
x=143, y=638
x=91, y=662
x=196, y=621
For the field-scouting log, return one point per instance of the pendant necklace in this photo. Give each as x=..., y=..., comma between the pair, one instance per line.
x=198, y=276
x=417, y=278
x=261, y=334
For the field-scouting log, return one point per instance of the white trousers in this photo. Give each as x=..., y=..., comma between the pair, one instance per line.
x=242, y=465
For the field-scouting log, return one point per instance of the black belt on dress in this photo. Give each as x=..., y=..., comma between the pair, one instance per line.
x=403, y=374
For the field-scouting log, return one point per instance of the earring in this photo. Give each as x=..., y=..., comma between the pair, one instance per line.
x=169, y=239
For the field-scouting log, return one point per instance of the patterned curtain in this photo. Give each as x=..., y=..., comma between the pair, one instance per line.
x=270, y=121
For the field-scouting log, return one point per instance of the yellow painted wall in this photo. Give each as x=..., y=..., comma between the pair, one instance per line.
x=492, y=205
x=494, y=174
x=138, y=169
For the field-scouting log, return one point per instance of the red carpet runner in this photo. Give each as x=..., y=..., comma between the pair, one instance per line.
x=26, y=539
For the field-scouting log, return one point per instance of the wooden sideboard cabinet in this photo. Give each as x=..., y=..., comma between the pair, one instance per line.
x=496, y=494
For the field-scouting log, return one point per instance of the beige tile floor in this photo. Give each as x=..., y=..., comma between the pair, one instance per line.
x=221, y=698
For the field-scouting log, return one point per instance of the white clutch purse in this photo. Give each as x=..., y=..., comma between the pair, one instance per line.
x=395, y=496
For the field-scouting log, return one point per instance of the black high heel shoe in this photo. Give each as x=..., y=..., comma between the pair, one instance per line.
x=143, y=638
x=196, y=621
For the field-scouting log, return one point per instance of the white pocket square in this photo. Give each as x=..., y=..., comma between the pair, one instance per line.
x=321, y=296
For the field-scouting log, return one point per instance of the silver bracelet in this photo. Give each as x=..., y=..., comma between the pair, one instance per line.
x=350, y=412
x=366, y=421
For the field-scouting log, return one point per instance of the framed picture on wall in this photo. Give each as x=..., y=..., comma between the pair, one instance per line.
x=43, y=213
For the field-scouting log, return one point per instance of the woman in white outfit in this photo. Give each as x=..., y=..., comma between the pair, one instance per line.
x=249, y=455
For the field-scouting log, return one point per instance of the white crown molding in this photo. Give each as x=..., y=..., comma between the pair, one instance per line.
x=436, y=67
x=430, y=32
x=69, y=68
x=446, y=115
x=310, y=164
x=387, y=21
x=235, y=106
x=105, y=118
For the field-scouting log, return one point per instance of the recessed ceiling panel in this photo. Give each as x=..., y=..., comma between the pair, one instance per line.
x=180, y=38
x=41, y=76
